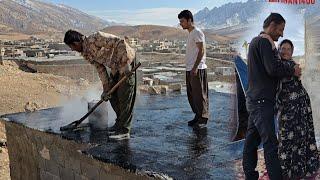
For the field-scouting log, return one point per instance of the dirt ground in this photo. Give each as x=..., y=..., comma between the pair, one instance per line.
x=21, y=91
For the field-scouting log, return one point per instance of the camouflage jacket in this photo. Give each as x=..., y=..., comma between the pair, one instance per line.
x=103, y=49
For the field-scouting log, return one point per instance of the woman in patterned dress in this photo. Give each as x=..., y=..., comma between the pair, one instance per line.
x=298, y=153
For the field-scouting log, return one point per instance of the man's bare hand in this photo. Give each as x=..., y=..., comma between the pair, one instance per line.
x=270, y=40
x=194, y=71
x=297, y=70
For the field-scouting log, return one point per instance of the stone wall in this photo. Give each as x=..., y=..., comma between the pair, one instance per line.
x=74, y=71
x=38, y=155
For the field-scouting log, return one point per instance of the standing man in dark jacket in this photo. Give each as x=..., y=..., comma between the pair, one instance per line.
x=264, y=71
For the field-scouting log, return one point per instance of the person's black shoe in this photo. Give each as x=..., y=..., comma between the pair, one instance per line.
x=113, y=129
x=193, y=122
x=202, y=121
x=120, y=134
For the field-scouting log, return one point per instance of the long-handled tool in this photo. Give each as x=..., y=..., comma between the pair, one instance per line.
x=75, y=124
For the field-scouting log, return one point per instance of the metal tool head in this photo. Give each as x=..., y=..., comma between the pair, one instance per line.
x=69, y=127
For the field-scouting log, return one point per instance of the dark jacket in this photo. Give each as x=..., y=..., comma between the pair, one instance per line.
x=265, y=69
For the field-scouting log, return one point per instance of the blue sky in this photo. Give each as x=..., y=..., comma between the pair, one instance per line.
x=159, y=12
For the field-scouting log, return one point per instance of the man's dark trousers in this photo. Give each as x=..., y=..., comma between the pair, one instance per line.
x=261, y=128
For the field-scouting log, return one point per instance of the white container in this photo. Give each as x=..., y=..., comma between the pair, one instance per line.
x=98, y=119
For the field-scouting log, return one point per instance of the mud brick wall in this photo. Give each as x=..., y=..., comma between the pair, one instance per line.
x=74, y=71
x=38, y=155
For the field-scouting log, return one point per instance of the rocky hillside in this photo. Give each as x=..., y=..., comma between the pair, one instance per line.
x=242, y=13
x=230, y=14
x=153, y=32
x=37, y=17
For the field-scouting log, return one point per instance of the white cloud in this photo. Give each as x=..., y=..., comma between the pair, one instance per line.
x=157, y=16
